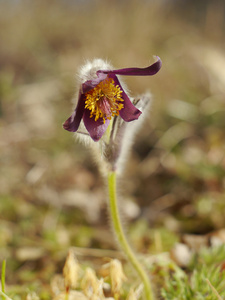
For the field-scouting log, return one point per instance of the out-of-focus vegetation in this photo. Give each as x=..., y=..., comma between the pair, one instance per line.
x=51, y=194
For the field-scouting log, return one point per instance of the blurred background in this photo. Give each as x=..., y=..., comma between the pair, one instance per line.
x=51, y=193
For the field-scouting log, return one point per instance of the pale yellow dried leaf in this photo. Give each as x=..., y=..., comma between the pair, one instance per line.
x=92, y=286
x=117, y=276
x=71, y=270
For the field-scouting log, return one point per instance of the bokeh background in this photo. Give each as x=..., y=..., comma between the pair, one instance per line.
x=51, y=193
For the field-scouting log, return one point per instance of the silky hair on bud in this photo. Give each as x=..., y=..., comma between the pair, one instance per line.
x=143, y=103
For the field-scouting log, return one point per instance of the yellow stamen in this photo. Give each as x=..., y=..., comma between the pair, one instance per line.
x=104, y=101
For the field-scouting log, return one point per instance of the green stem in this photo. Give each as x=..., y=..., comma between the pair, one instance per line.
x=122, y=238
x=3, y=277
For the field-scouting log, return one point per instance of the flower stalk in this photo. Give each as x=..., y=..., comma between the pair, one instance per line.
x=121, y=237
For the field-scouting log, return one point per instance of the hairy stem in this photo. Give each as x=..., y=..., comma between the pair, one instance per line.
x=117, y=226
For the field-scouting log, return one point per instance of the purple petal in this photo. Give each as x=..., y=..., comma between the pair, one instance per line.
x=151, y=70
x=90, y=84
x=73, y=122
x=97, y=128
x=129, y=112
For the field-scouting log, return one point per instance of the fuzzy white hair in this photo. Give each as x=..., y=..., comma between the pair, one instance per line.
x=131, y=130
x=88, y=71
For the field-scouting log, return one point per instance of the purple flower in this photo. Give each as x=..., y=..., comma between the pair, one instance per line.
x=103, y=97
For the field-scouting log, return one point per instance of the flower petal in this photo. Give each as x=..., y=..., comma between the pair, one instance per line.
x=151, y=70
x=73, y=122
x=90, y=84
x=97, y=128
x=129, y=112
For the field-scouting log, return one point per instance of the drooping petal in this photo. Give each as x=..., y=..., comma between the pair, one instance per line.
x=129, y=112
x=90, y=84
x=73, y=122
x=97, y=128
x=151, y=70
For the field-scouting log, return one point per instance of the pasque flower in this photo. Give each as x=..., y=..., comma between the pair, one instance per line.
x=101, y=97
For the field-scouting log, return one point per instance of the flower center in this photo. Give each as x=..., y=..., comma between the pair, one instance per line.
x=104, y=101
